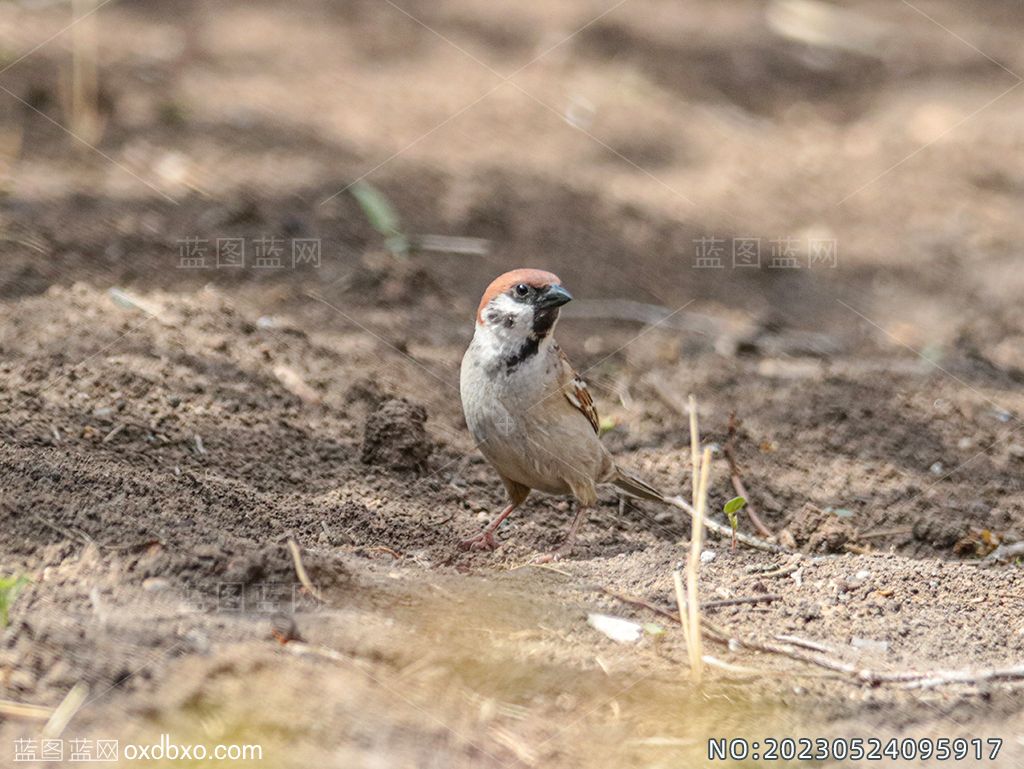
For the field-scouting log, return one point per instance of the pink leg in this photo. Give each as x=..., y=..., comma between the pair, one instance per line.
x=566, y=547
x=485, y=540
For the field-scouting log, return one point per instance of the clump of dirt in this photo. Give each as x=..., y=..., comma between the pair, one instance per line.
x=940, y=532
x=366, y=390
x=396, y=437
x=240, y=564
x=996, y=340
x=818, y=531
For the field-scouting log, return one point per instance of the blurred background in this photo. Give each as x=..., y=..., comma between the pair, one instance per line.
x=598, y=139
x=229, y=231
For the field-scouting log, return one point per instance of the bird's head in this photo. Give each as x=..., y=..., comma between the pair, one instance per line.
x=519, y=310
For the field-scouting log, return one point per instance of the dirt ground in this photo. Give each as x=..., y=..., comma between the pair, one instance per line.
x=167, y=429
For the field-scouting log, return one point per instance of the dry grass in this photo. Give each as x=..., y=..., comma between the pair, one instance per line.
x=84, y=98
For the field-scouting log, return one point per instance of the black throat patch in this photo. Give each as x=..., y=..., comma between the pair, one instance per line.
x=544, y=320
x=527, y=351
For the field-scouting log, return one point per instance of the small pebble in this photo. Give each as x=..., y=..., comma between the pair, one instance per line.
x=198, y=640
x=616, y=628
x=868, y=644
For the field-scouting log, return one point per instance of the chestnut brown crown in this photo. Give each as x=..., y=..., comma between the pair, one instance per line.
x=537, y=279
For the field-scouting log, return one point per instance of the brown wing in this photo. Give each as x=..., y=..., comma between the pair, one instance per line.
x=576, y=392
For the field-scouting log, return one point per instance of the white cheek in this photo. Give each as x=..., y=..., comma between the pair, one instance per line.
x=514, y=320
x=514, y=314
x=507, y=325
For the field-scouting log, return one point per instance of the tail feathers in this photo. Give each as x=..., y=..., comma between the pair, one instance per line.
x=638, y=488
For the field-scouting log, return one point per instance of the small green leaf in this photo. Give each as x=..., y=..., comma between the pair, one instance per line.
x=377, y=208
x=9, y=589
x=734, y=505
x=381, y=215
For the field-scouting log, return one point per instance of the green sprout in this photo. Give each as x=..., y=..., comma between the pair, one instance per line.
x=9, y=589
x=382, y=216
x=732, y=507
x=653, y=629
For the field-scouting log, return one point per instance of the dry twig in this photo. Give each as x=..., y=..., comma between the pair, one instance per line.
x=818, y=656
x=694, y=448
x=694, y=646
x=1006, y=552
x=715, y=604
x=638, y=601
x=300, y=570
x=64, y=712
x=806, y=643
x=782, y=571
x=11, y=709
x=725, y=532
x=879, y=533
x=677, y=582
x=737, y=481
x=723, y=602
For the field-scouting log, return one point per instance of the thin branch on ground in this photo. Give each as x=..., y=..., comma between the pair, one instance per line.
x=942, y=677
x=782, y=571
x=680, y=592
x=737, y=481
x=300, y=570
x=11, y=709
x=694, y=646
x=723, y=602
x=1006, y=552
x=705, y=605
x=638, y=601
x=694, y=450
x=64, y=712
x=806, y=643
x=725, y=532
x=907, y=679
x=884, y=533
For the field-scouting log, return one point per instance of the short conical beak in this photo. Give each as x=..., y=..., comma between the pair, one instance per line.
x=554, y=296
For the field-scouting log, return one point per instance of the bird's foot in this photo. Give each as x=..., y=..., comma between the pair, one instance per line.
x=483, y=541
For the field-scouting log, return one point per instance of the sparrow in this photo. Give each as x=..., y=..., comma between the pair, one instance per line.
x=528, y=411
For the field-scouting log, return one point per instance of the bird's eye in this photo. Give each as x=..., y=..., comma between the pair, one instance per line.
x=522, y=289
